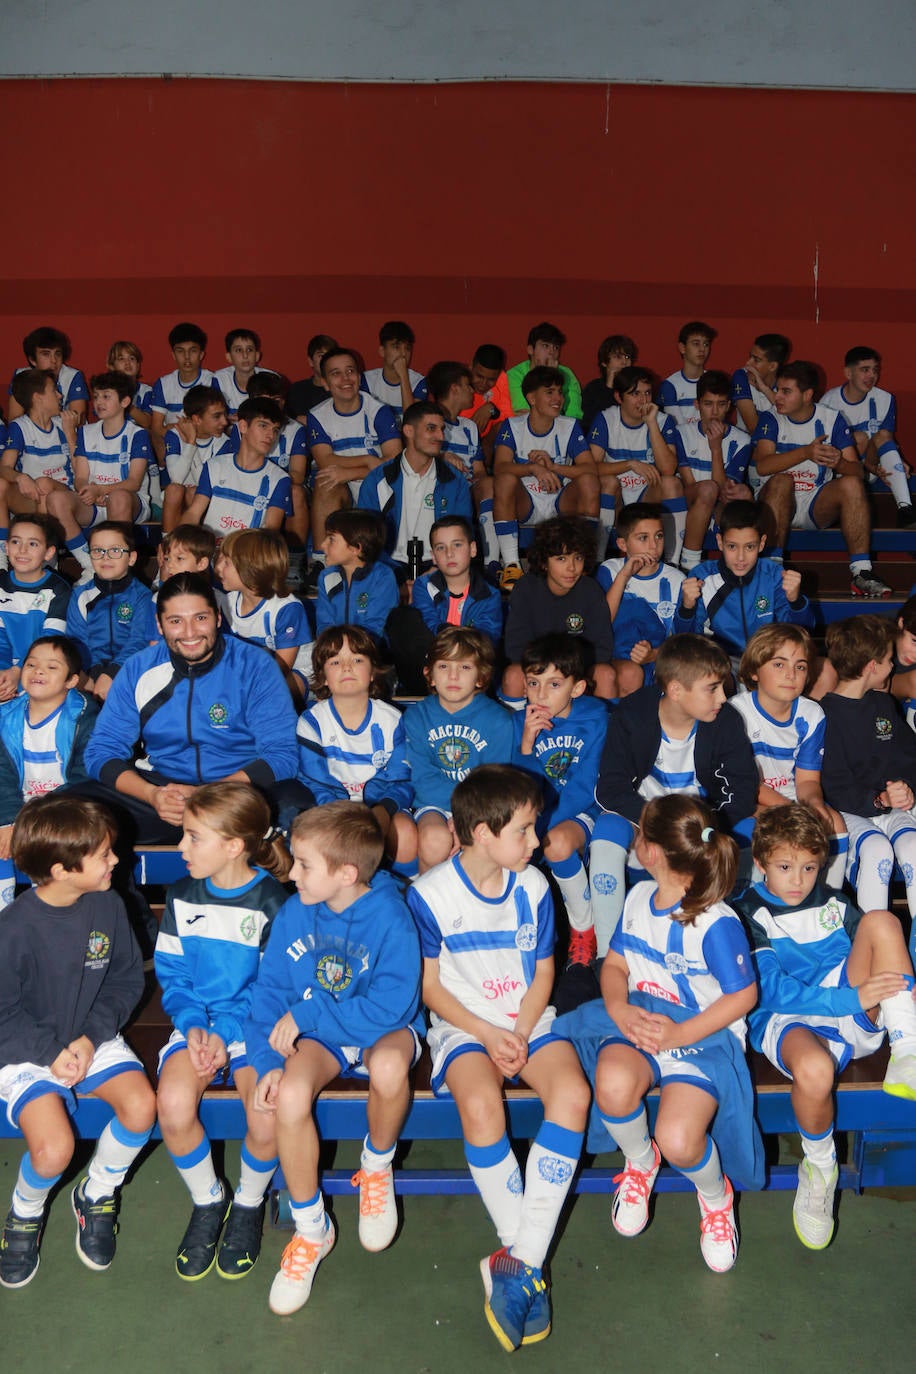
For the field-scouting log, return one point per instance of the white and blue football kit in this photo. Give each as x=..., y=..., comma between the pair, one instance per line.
x=239, y=497
x=623, y=443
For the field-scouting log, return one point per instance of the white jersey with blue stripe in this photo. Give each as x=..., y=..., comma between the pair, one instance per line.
x=661, y=589
x=674, y=769
x=676, y=397
x=185, y=458
x=110, y=455
x=782, y=746
x=353, y=757
x=239, y=498
x=277, y=622
x=487, y=947
x=462, y=440
x=40, y=452
x=623, y=443
x=876, y=410
x=143, y=397
x=692, y=449
x=291, y=441
x=563, y=442
x=690, y=966
x=743, y=389
x=788, y=435
x=353, y=436
x=42, y=765
x=167, y=398
x=70, y=383
x=229, y=389
x=389, y=393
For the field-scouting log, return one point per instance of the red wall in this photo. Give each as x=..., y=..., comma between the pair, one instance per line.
x=299, y=208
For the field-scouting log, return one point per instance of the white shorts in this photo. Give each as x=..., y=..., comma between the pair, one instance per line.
x=446, y=1042
x=802, y=518
x=100, y=513
x=238, y=1056
x=846, y=1037
x=544, y=504
x=632, y=487
x=20, y=1083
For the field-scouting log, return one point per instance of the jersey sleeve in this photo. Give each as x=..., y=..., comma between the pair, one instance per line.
x=741, y=386
x=666, y=395
x=840, y=435
x=577, y=441
x=597, y=435
x=728, y=955
x=292, y=628
x=386, y=425
x=810, y=754
x=426, y=923
x=282, y=496
x=767, y=428
x=505, y=437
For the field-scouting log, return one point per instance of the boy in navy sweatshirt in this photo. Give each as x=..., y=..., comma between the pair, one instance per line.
x=70, y=976
x=338, y=993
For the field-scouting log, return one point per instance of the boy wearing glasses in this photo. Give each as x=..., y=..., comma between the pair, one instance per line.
x=109, y=617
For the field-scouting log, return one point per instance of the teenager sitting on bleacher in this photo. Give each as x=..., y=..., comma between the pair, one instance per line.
x=811, y=474
x=871, y=414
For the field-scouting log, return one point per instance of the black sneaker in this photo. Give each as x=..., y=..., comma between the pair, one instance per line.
x=906, y=517
x=19, y=1258
x=309, y=585
x=197, y=1251
x=241, y=1245
x=96, y=1227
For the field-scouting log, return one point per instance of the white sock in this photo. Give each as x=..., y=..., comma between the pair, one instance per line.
x=820, y=1150
x=894, y=473
x=900, y=1023
x=838, y=857
x=607, y=864
x=488, y=532
x=115, y=1152
x=631, y=1134
x=574, y=890
x=507, y=541
x=875, y=860
x=606, y=520
x=31, y=1191
x=549, y=1173
x=375, y=1161
x=675, y=526
x=691, y=557
x=498, y=1178
x=309, y=1217
x=707, y=1176
x=254, y=1179
x=197, y=1171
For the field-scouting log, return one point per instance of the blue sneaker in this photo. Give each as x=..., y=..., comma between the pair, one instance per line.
x=537, y=1323
x=511, y=1289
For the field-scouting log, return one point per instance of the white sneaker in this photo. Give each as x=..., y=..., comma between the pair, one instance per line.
x=900, y=1079
x=630, y=1208
x=292, y=1285
x=812, y=1211
x=718, y=1233
x=378, y=1213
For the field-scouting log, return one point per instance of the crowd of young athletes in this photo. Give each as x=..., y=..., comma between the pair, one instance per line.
x=639, y=755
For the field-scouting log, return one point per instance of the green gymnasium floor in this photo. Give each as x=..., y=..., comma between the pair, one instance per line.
x=636, y=1306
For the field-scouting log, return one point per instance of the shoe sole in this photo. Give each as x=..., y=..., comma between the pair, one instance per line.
x=809, y=1245
x=899, y=1090
x=89, y=1263
x=506, y=1343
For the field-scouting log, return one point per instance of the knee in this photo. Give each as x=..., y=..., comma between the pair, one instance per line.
x=514, y=681
x=483, y=1116
x=571, y=1104
x=707, y=494
x=813, y=1074
x=388, y=1073
x=616, y=1091
x=558, y=846
x=137, y=1110
x=630, y=677
x=294, y=1100
x=52, y=1154
x=680, y=1142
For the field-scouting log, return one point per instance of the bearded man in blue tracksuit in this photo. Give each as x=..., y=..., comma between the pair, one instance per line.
x=207, y=708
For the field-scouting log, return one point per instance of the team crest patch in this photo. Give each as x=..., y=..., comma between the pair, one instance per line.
x=762, y=604
x=218, y=713
x=379, y=759
x=362, y=601
x=575, y=623
x=883, y=727
x=554, y=1170
x=97, y=949
x=830, y=917
x=665, y=610
x=557, y=764
x=124, y=613
x=247, y=926
x=514, y=1184
x=429, y=501
x=526, y=937
x=453, y=753
x=604, y=883
x=332, y=973
x=260, y=503
x=675, y=963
